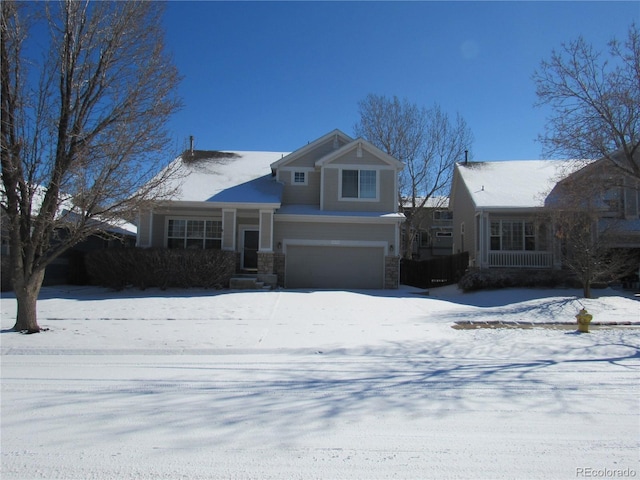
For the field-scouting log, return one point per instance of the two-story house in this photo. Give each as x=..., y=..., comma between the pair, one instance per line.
x=323, y=216
x=433, y=235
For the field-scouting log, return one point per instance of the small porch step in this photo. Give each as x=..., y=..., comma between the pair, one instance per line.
x=253, y=282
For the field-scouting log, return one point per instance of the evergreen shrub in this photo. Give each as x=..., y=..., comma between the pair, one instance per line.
x=160, y=268
x=492, y=279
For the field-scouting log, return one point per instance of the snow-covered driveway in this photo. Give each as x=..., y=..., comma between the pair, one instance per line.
x=318, y=385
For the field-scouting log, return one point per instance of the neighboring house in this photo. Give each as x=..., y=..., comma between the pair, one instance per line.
x=499, y=214
x=69, y=268
x=324, y=216
x=434, y=236
x=611, y=193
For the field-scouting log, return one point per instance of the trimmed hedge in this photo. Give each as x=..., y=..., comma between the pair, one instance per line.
x=160, y=268
x=492, y=279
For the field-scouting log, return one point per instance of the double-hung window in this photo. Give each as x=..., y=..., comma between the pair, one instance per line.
x=361, y=184
x=201, y=234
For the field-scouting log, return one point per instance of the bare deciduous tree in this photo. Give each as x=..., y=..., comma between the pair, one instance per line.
x=595, y=101
x=86, y=90
x=427, y=141
x=584, y=210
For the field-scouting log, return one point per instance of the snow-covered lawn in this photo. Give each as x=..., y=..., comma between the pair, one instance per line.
x=327, y=384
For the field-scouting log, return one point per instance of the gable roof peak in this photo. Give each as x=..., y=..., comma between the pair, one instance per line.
x=361, y=144
x=336, y=135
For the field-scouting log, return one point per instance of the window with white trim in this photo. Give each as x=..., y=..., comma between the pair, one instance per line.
x=200, y=234
x=513, y=235
x=299, y=178
x=359, y=184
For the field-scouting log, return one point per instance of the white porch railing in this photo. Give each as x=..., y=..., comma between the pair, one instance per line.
x=521, y=259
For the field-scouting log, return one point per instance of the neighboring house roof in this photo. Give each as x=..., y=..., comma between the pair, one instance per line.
x=511, y=184
x=67, y=210
x=213, y=176
x=111, y=225
x=432, y=202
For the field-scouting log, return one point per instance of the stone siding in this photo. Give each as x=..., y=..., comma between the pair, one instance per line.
x=265, y=262
x=391, y=272
x=278, y=267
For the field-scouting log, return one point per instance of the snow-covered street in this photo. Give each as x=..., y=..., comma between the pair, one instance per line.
x=298, y=384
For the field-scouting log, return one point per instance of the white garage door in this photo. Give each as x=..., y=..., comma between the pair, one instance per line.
x=334, y=267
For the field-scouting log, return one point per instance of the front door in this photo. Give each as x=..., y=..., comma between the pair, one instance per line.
x=250, y=250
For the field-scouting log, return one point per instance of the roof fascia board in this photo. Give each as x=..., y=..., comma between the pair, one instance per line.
x=168, y=205
x=510, y=210
x=310, y=218
x=310, y=146
x=369, y=147
x=455, y=181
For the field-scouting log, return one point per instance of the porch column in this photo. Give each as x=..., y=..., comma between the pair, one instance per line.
x=482, y=241
x=229, y=230
x=266, y=231
x=265, y=244
x=556, y=248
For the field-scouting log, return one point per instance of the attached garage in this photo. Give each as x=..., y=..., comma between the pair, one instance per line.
x=334, y=266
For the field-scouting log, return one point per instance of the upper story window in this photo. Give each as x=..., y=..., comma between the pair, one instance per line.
x=442, y=215
x=299, y=178
x=194, y=234
x=613, y=199
x=359, y=184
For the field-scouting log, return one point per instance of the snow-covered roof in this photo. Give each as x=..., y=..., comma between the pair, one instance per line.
x=262, y=190
x=339, y=139
x=511, y=184
x=210, y=173
x=432, y=202
x=68, y=211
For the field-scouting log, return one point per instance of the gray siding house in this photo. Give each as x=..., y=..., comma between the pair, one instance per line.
x=500, y=209
x=498, y=213
x=323, y=216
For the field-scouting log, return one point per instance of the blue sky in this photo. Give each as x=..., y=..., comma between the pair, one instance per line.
x=275, y=75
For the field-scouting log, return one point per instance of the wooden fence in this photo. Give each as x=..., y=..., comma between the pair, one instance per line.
x=436, y=272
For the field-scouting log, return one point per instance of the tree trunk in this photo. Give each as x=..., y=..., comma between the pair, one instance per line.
x=406, y=250
x=27, y=296
x=586, y=289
